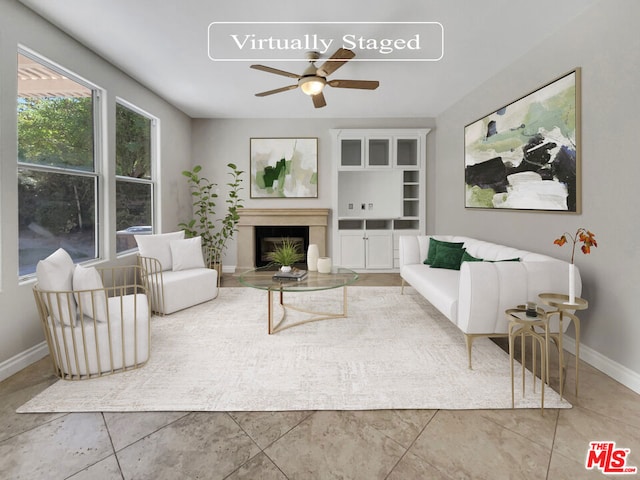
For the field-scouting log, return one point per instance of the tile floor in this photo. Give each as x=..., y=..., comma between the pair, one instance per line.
x=387, y=444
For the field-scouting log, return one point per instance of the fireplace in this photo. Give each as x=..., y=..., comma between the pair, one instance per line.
x=313, y=219
x=268, y=237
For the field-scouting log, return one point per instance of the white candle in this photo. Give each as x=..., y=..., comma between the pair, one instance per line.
x=324, y=265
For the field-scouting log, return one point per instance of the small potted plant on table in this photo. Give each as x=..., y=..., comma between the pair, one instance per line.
x=286, y=254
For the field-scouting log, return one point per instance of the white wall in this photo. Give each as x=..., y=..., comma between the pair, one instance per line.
x=604, y=42
x=20, y=329
x=216, y=142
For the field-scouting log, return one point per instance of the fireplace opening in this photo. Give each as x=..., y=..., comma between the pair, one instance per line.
x=267, y=238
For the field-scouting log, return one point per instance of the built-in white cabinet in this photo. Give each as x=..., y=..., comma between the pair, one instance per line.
x=366, y=245
x=379, y=176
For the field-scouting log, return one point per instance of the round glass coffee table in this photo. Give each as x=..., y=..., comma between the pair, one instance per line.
x=262, y=278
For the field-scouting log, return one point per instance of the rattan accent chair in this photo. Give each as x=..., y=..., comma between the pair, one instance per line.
x=96, y=331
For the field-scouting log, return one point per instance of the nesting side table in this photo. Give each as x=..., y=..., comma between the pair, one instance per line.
x=564, y=309
x=521, y=325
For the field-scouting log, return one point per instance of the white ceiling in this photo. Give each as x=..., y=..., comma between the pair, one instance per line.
x=164, y=45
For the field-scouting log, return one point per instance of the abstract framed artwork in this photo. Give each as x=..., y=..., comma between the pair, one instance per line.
x=526, y=155
x=284, y=167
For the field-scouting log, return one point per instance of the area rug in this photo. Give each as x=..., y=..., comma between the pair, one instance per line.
x=392, y=351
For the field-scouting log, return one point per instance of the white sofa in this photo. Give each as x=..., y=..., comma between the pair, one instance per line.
x=475, y=297
x=174, y=271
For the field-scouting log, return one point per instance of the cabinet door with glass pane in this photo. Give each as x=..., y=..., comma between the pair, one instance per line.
x=378, y=153
x=351, y=152
x=406, y=151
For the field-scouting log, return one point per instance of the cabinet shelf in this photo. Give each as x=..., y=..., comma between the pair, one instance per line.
x=411, y=176
x=350, y=224
x=378, y=224
x=410, y=191
x=406, y=224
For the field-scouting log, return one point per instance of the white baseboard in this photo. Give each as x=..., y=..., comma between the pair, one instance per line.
x=228, y=269
x=23, y=360
x=618, y=372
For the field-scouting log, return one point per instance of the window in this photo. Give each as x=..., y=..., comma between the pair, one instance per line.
x=134, y=182
x=57, y=174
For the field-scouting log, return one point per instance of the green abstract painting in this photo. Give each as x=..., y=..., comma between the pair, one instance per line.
x=284, y=167
x=526, y=155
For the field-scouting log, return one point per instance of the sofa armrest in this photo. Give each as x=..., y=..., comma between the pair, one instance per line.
x=413, y=249
x=409, y=250
x=487, y=289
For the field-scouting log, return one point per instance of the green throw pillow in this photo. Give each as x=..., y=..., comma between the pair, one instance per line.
x=448, y=257
x=433, y=245
x=469, y=258
x=505, y=260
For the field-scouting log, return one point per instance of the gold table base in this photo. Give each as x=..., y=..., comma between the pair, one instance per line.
x=561, y=304
x=523, y=326
x=317, y=316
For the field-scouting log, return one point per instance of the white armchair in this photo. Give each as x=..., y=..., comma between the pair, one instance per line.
x=96, y=321
x=174, y=271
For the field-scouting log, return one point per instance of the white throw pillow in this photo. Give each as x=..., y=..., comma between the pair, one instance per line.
x=187, y=254
x=55, y=274
x=88, y=278
x=157, y=246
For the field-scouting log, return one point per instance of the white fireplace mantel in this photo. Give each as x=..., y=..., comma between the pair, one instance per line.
x=315, y=218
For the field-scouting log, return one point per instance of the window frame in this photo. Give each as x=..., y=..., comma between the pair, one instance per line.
x=98, y=94
x=154, y=136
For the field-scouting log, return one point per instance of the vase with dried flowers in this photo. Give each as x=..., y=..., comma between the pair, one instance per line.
x=588, y=240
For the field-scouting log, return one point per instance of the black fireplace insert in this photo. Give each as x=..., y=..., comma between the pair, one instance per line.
x=267, y=238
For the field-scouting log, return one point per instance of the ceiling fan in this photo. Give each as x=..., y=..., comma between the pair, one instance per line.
x=313, y=79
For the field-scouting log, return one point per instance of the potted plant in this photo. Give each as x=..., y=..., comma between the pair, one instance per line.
x=286, y=254
x=203, y=191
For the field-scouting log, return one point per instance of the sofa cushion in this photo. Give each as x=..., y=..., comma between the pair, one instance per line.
x=185, y=288
x=438, y=285
x=158, y=246
x=433, y=248
x=492, y=251
x=113, y=351
x=92, y=298
x=447, y=257
x=55, y=274
x=187, y=253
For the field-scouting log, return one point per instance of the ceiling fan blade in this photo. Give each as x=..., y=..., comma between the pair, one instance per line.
x=277, y=90
x=318, y=100
x=275, y=70
x=363, y=84
x=339, y=58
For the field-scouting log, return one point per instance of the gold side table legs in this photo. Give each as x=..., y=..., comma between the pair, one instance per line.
x=557, y=338
x=564, y=309
x=522, y=326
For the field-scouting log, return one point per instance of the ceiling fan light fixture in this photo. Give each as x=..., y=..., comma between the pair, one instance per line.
x=312, y=85
x=313, y=79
